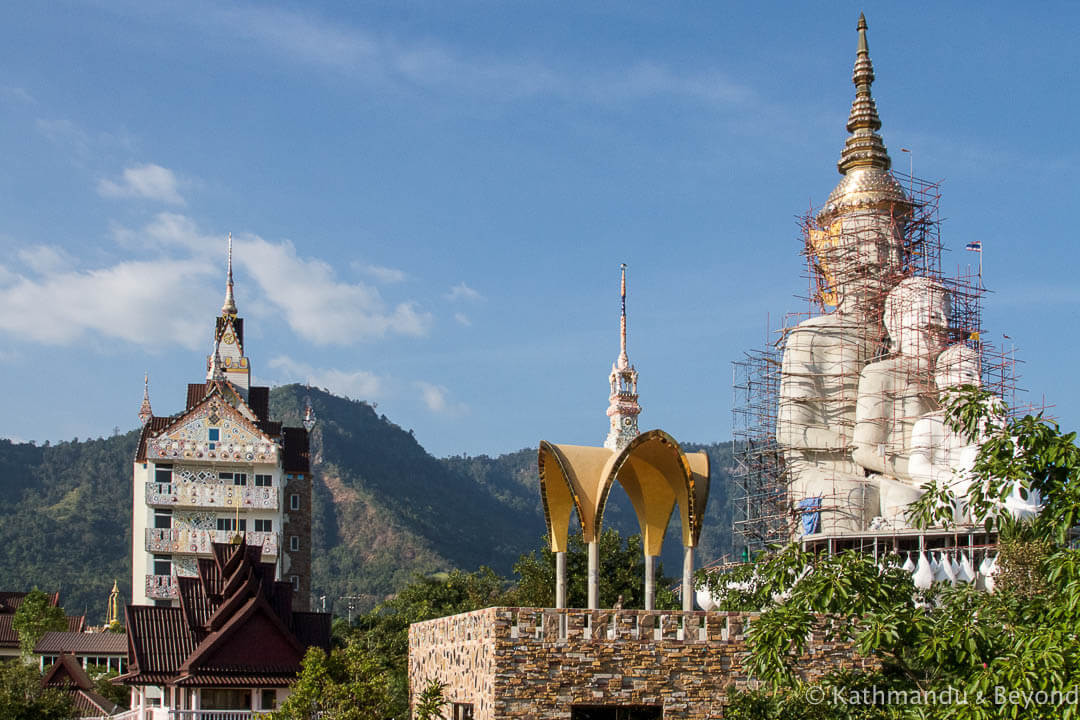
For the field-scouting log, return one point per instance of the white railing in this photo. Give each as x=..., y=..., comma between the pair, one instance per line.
x=212, y=495
x=191, y=540
x=212, y=714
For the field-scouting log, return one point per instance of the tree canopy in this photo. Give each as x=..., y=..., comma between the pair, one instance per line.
x=34, y=617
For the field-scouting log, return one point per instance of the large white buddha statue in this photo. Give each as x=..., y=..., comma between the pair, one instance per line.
x=895, y=392
x=858, y=249
x=946, y=457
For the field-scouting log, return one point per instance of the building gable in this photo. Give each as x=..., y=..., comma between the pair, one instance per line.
x=189, y=437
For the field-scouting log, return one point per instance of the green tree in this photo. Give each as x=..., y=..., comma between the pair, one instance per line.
x=987, y=655
x=23, y=698
x=34, y=617
x=431, y=702
x=622, y=573
x=349, y=683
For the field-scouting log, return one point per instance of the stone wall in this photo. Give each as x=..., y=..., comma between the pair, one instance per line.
x=533, y=663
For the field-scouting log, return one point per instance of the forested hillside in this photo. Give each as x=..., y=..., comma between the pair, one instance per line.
x=384, y=509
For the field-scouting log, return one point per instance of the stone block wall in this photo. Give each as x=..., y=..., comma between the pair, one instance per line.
x=537, y=663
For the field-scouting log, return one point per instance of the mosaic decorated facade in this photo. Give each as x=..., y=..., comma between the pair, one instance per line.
x=219, y=470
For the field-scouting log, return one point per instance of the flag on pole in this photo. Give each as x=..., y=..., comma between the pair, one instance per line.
x=975, y=246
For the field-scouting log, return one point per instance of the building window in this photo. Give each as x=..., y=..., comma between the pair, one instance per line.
x=162, y=518
x=215, y=435
x=239, y=479
x=463, y=711
x=295, y=582
x=163, y=474
x=225, y=699
x=163, y=564
x=225, y=477
x=264, y=526
x=268, y=701
x=616, y=712
x=229, y=524
x=263, y=480
x=294, y=542
x=294, y=501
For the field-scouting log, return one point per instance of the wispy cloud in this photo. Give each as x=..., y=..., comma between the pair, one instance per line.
x=356, y=384
x=318, y=306
x=461, y=292
x=379, y=58
x=382, y=274
x=150, y=182
x=462, y=319
x=44, y=258
x=437, y=399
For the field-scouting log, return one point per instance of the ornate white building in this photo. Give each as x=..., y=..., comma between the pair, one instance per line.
x=218, y=469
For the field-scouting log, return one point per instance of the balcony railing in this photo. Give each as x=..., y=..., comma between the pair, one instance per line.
x=190, y=540
x=161, y=587
x=213, y=714
x=211, y=495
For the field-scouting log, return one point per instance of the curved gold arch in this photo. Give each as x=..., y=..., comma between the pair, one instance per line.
x=567, y=484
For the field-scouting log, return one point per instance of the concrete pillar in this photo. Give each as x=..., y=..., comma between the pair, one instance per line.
x=650, y=582
x=594, y=575
x=560, y=580
x=688, y=578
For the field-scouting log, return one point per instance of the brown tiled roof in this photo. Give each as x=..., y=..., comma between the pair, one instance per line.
x=10, y=601
x=195, y=394
x=76, y=623
x=259, y=401
x=235, y=624
x=82, y=643
x=67, y=675
x=153, y=426
x=296, y=450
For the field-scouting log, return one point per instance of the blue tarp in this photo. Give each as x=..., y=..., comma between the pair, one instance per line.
x=810, y=508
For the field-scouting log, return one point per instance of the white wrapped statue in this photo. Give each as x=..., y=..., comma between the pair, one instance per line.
x=859, y=256
x=945, y=457
x=895, y=392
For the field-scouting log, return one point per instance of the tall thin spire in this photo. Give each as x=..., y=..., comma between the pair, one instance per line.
x=864, y=161
x=624, y=360
x=229, y=307
x=623, y=408
x=145, y=413
x=864, y=146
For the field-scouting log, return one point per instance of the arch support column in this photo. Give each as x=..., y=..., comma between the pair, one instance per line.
x=688, y=578
x=560, y=580
x=594, y=574
x=650, y=582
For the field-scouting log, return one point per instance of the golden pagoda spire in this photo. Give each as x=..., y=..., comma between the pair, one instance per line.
x=112, y=607
x=864, y=161
x=229, y=307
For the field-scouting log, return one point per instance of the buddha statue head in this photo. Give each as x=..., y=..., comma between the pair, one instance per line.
x=917, y=314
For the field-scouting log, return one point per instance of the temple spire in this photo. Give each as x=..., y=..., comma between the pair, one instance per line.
x=864, y=147
x=145, y=413
x=623, y=408
x=229, y=307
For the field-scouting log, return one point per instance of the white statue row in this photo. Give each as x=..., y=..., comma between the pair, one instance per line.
x=862, y=431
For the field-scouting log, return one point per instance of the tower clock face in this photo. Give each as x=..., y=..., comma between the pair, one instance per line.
x=227, y=338
x=627, y=422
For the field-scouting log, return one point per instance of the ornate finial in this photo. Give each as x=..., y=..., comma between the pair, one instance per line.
x=309, y=415
x=112, y=606
x=229, y=308
x=217, y=372
x=145, y=413
x=864, y=147
x=623, y=407
x=864, y=161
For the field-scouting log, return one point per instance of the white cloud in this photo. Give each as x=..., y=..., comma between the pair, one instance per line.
x=44, y=258
x=149, y=181
x=133, y=301
x=382, y=274
x=461, y=291
x=357, y=384
x=317, y=306
x=437, y=400
x=462, y=319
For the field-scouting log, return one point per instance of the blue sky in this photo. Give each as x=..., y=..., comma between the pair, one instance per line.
x=430, y=200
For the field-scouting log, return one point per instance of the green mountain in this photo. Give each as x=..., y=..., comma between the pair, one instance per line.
x=384, y=509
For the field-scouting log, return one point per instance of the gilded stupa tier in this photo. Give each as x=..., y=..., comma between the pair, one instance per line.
x=864, y=162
